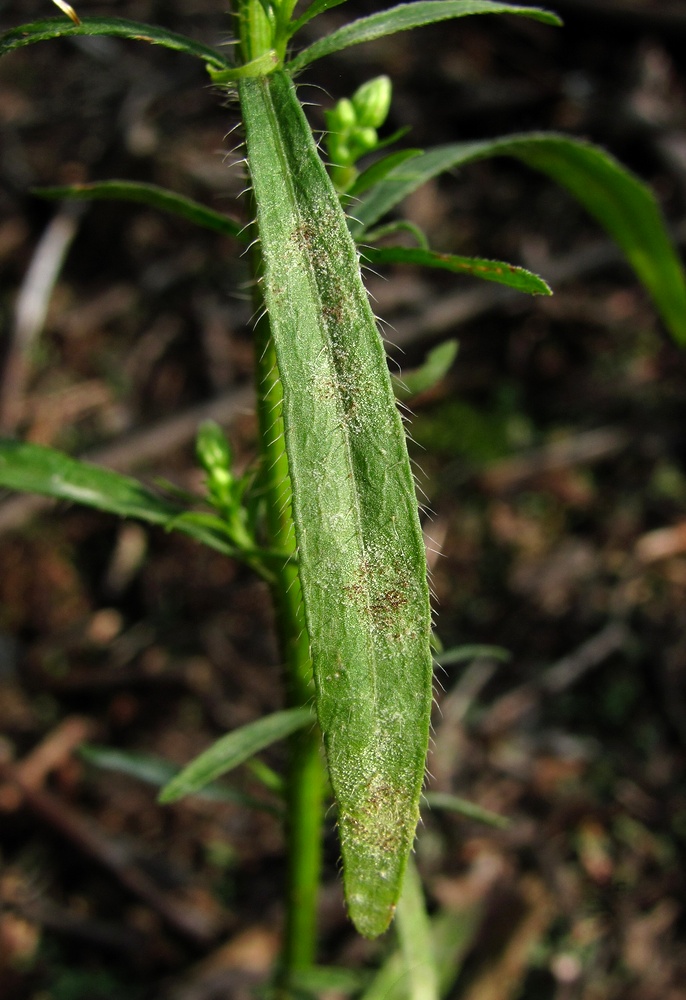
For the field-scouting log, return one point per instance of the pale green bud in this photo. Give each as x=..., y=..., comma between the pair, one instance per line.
x=343, y=117
x=363, y=140
x=213, y=451
x=372, y=101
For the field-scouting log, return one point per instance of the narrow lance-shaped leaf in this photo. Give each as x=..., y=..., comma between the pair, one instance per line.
x=470, y=810
x=36, y=469
x=463, y=654
x=452, y=936
x=152, y=196
x=378, y=170
x=315, y=8
x=619, y=201
x=414, y=933
x=234, y=749
x=361, y=556
x=158, y=771
x=434, y=368
x=41, y=31
x=490, y=270
x=405, y=17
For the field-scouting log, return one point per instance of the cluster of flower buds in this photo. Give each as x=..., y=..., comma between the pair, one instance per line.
x=214, y=455
x=352, y=128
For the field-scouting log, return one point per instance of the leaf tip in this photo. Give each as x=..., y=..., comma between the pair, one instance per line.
x=170, y=793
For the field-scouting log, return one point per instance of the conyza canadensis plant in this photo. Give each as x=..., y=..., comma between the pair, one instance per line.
x=329, y=518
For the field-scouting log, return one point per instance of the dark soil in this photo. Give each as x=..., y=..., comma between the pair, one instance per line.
x=552, y=457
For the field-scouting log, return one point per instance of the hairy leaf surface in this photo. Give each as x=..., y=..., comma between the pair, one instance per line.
x=361, y=556
x=490, y=270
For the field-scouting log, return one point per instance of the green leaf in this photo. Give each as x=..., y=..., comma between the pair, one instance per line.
x=260, y=66
x=489, y=270
x=379, y=170
x=318, y=7
x=33, y=468
x=395, y=227
x=452, y=934
x=618, y=200
x=405, y=17
x=414, y=934
x=234, y=749
x=36, y=469
x=318, y=979
x=401, y=182
x=144, y=767
x=470, y=810
x=154, y=197
x=436, y=365
x=117, y=27
x=157, y=771
x=361, y=556
x=463, y=654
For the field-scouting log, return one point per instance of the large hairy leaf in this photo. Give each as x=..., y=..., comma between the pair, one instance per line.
x=361, y=556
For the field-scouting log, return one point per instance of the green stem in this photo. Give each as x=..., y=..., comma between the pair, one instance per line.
x=305, y=784
x=255, y=31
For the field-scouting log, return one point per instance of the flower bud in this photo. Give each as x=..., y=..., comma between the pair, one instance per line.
x=364, y=140
x=372, y=101
x=342, y=118
x=213, y=451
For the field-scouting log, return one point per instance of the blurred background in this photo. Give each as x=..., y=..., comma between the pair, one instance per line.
x=552, y=456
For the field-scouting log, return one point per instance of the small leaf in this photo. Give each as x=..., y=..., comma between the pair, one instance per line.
x=453, y=803
x=463, y=654
x=405, y=17
x=452, y=934
x=414, y=933
x=158, y=772
x=117, y=27
x=477, y=267
x=144, y=767
x=319, y=979
x=260, y=66
x=234, y=749
x=379, y=170
x=395, y=227
x=36, y=469
x=154, y=197
x=33, y=468
x=436, y=365
x=617, y=199
x=318, y=7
